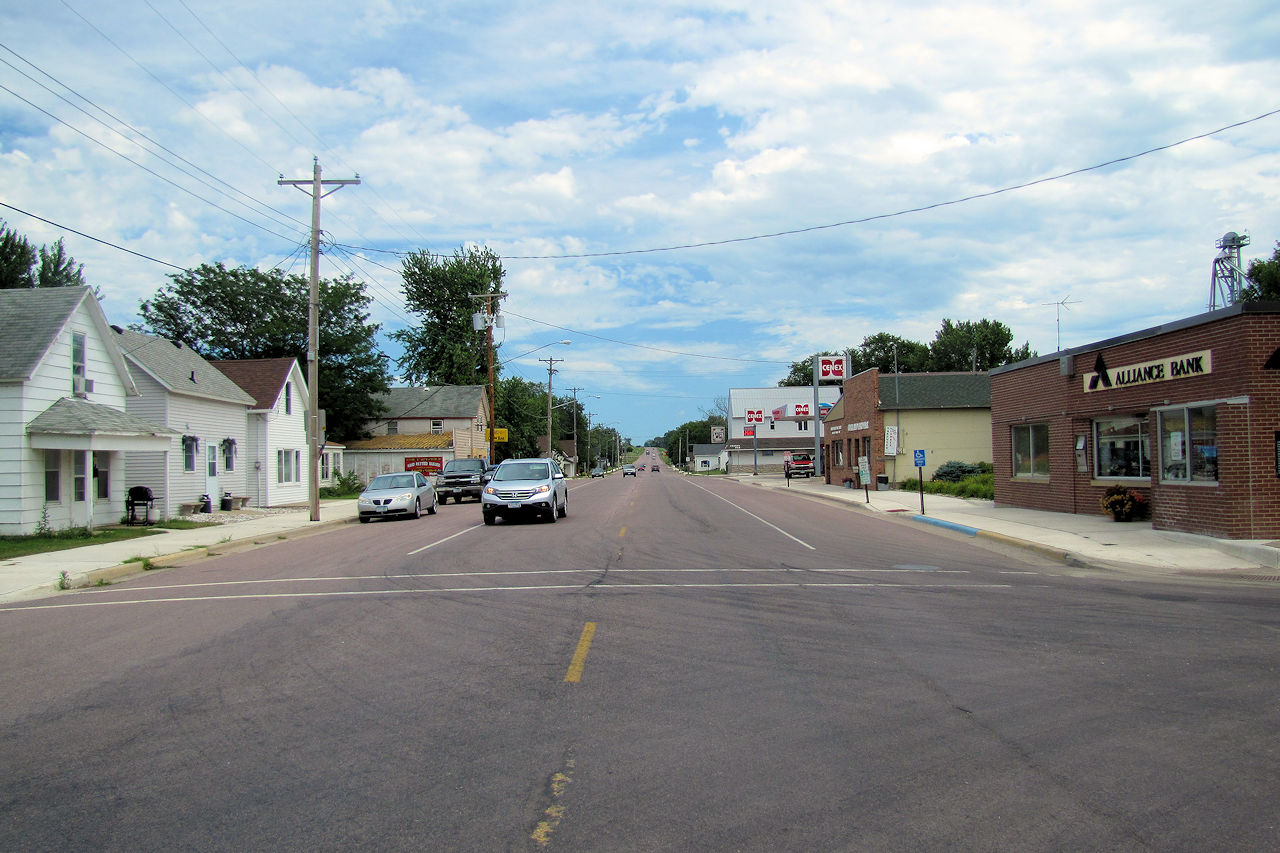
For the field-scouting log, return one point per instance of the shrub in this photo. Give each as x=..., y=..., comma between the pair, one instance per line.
x=976, y=486
x=955, y=471
x=344, y=485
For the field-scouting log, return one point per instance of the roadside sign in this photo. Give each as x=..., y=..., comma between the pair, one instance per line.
x=919, y=455
x=496, y=435
x=749, y=431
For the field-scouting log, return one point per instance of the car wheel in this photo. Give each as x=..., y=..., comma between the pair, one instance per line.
x=564, y=507
x=551, y=516
x=431, y=510
x=417, y=508
x=490, y=518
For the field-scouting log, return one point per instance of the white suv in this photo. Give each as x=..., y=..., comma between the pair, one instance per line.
x=525, y=487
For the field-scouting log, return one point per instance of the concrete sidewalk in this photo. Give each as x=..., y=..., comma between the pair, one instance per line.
x=1080, y=539
x=39, y=574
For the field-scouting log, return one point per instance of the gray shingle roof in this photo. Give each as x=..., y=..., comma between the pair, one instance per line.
x=29, y=320
x=441, y=401
x=935, y=391
x=179, y=368
x=73, y=416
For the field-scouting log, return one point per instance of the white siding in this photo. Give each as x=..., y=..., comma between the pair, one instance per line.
x=287, y=432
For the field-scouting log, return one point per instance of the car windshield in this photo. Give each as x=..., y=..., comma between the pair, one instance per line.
x=455, y=465
x=392, y=481
x=523, y=471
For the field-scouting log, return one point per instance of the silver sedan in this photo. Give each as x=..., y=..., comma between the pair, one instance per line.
x=407, y=493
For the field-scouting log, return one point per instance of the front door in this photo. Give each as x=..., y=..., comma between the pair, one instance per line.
x=211, y=472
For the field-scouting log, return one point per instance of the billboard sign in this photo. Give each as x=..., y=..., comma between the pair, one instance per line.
x=831, y=367
x=427, y=465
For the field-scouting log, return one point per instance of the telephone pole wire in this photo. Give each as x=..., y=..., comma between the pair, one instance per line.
x=313, y=328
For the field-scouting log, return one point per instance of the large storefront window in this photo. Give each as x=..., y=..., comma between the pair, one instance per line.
x=1122, y=448
x=1031, y=450
x=1189, y=444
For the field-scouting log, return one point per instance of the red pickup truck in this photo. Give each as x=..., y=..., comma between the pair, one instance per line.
x=799, y=465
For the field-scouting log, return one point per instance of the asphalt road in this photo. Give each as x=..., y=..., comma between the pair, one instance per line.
x=681, y=664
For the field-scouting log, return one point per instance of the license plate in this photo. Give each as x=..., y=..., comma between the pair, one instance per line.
x=513, y=506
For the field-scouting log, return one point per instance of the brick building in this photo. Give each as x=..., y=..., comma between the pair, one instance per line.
x=1187, y=414
x=885, y=416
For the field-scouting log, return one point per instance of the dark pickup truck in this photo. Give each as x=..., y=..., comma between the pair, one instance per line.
x=461, y=478
x=799, y=465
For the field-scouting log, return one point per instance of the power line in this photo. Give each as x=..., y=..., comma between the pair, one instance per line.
x=910, y=210
x=91, y=237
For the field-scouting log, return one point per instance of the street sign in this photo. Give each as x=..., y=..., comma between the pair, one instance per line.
x=919, y=456
x=831, y=367
x=496, y=435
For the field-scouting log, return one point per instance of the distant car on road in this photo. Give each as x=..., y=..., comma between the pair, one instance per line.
x=525, y=487
x=461, y=478
x=654, y=469
x=597, y=471
x=628, y=470
x=799, y=465
x=407, y=493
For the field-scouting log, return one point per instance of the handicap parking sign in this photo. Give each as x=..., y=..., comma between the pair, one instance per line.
x=919, y=454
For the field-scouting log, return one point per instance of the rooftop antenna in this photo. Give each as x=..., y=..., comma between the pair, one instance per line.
x=1060, y=304
x=1228, y=276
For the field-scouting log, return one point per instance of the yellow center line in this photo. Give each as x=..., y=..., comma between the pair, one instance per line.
x=622, y=532
x=574, y=675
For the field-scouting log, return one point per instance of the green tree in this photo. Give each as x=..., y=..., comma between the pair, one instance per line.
x=1263, y=279
x=22, y=265
x=801, y=373
x=443, y=348
x=883, y=350
x=970, y=345
x=244, y=313
x=522, y=411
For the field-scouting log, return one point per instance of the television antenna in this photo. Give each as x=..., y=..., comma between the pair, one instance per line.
x=1228, y=274
x=1059, y=305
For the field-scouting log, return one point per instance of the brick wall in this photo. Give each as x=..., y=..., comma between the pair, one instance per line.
x=1245, y=500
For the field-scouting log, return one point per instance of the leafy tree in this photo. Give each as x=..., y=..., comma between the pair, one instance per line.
x=882, y=350
x=522, y=410
x=1263, y=279
x=443, y=348
x=801, y=372
x=22, y=265
x=686, y=436
x=246, y=313
x=971, y=345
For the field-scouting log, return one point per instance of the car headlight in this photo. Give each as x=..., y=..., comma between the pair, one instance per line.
x=543, y=488
x=407, y=496
x=490, y=491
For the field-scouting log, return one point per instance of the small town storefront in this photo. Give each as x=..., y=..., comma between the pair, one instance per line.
x=883, y=417
x=1186, y=415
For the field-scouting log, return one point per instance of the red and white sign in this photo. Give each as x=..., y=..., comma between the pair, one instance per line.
x=749, y=431
x=802, y=410
x=831, y=367
x=755, y=416
x=780, y=412
x=428, y=465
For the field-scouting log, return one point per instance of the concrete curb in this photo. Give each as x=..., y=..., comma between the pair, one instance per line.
x=111, y=574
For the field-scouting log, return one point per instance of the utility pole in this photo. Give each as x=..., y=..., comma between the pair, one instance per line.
x=551, y=369
x=490, y=317
x=575, y=428
x=313, y=328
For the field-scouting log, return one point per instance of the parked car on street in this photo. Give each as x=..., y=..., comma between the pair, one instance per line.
x=461, y=478
x=799, y=465
x=407, y=493
x=525, y=487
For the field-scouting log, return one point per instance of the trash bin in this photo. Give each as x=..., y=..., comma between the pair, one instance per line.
x=226, y=503
x=206, y=505
x=882, y=482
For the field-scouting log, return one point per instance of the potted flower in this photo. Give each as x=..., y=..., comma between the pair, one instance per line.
x=1124, y=504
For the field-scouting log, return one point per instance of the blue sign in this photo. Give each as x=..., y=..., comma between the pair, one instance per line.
x=919, y=454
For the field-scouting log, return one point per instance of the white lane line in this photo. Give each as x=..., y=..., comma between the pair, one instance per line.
x=458, y=590
x=756, y=517
x=444, y=540
x=517, y=573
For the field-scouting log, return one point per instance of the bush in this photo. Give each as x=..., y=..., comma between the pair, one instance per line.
x=976, y=486
x=345, y=485
x=955, y=471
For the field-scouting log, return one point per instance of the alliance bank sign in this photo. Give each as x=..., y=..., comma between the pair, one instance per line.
x=1103, y=378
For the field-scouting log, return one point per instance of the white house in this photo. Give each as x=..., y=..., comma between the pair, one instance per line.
x=275, y=454
x=209, y=413
x=459, y=409
x=64, y=428
x=709, y=457
x=783, y=419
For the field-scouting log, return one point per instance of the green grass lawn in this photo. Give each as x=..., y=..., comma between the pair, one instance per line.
x=20, y=546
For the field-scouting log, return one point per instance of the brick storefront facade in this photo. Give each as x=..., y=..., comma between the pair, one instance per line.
x=1199, y=392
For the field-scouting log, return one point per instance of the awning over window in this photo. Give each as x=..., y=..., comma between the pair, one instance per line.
x=74, y=424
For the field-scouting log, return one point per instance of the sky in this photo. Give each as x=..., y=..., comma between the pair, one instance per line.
x=695, y=194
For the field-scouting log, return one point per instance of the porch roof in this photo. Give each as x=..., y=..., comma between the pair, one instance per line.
x=75, y=424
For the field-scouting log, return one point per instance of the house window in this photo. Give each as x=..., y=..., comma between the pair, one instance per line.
x=837, y=453
x=77, y=361
x=393, y=428
x=211, y=457
x=288, y=398
x=102, y=475
x=288, y=466
x=228, y=454
x=803, y=426
x=1189, y=444
x=77, y=476
x=189, y=446
x=53, y=476
x=1031, y=450
x=437, y=427
x=1121, y=448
